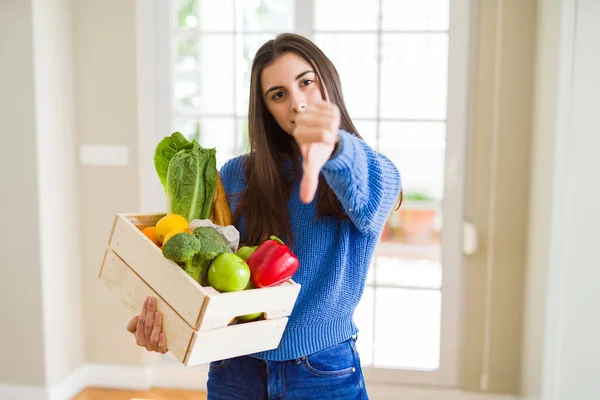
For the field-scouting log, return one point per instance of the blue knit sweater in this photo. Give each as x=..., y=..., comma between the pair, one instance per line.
x=334, y=255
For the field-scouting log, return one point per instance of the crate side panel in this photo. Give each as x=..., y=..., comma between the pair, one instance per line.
x=275, y=302
x=235, y=341
x=164, y=276
x=132, y=291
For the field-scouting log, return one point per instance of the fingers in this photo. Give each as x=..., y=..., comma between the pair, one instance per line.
x=310, y=181
x=132, y=324
x=156, y=331
x=162, y=344
x=319, y=123
x=315, y=156
x=139, y=332
x=149, y=323
x=307, y=134
x=147, y=327
x=324, y=115
x=323, y=105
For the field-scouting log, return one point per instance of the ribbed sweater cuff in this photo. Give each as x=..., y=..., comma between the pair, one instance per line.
x=344, y=156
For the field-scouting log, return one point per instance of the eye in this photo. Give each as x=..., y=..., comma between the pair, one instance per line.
x=277, y=96
x=306, y=82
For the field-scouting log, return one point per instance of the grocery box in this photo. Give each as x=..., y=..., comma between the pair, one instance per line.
x=196, y=319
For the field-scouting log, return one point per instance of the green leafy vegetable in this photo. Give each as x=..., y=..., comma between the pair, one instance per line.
x=165, y=151
x=188, y=173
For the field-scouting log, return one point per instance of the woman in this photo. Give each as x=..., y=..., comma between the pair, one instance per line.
x=312, y=180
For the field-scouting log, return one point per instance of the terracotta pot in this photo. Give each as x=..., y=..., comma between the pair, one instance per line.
x=418, y=224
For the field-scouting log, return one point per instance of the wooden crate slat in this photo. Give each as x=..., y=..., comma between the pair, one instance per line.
x=234, y=341
x=144, y=220
x=168, y=279
x=222, y=307
x=132, y=291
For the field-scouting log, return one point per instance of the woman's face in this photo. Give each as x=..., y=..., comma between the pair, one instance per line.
x=288, y=85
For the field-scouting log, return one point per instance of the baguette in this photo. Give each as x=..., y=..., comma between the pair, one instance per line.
x=220, y=213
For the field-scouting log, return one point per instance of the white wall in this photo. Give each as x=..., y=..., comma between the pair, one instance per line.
x=40, y=278
x=57, y=187
x=21, y=332
x=104, y=40
x=570, y=369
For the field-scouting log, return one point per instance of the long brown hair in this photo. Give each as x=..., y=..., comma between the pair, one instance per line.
x=265, y=198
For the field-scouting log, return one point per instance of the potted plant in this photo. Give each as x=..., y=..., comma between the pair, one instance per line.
x=417, y=217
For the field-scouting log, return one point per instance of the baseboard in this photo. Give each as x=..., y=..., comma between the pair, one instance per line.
x=118, y=376
x=14, y=392
x=194, y=378
x=69, y=387
x=65, y=390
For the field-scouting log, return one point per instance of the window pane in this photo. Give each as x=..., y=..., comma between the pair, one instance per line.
x=264, y=15
x=371, y=273
x=367, y=130
x=187, y=13
x=418, y=147
x=246, y=47
x=216, y=15
x=186, y=90
x=203, y=82
x=218, y=133
x=415, y=15
x=346, y=15
x=414, y=76
x=205, y=15
x=413, y=135
x=210, y=133
x=407, y=273
x=188, y=126
x=407, y=331
x=186, y=54
x=355, y=58
x=242, y=146
x=363, y=318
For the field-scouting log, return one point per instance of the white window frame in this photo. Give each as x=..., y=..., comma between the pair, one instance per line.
x=449, y=373
x=154, y=119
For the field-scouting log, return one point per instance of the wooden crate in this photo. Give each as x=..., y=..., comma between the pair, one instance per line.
x=195, y=318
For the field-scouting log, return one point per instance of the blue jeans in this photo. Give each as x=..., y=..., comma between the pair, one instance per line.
x=332, y=373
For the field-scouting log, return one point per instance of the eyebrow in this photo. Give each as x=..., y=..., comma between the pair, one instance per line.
x=281, y=87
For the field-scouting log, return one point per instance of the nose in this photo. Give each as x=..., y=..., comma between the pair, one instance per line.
x=298, y=101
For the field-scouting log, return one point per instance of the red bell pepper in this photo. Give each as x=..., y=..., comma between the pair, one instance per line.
x=272, y=263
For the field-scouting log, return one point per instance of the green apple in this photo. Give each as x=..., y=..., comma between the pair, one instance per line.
x=246, y=251
x=228, y=273
x=249, y=317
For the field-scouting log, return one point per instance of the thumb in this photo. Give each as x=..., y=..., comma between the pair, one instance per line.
x=132, y=325
x=310, y=178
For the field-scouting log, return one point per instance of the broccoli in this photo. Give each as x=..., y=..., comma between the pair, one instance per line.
x=182, y=248
x=211, y=246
